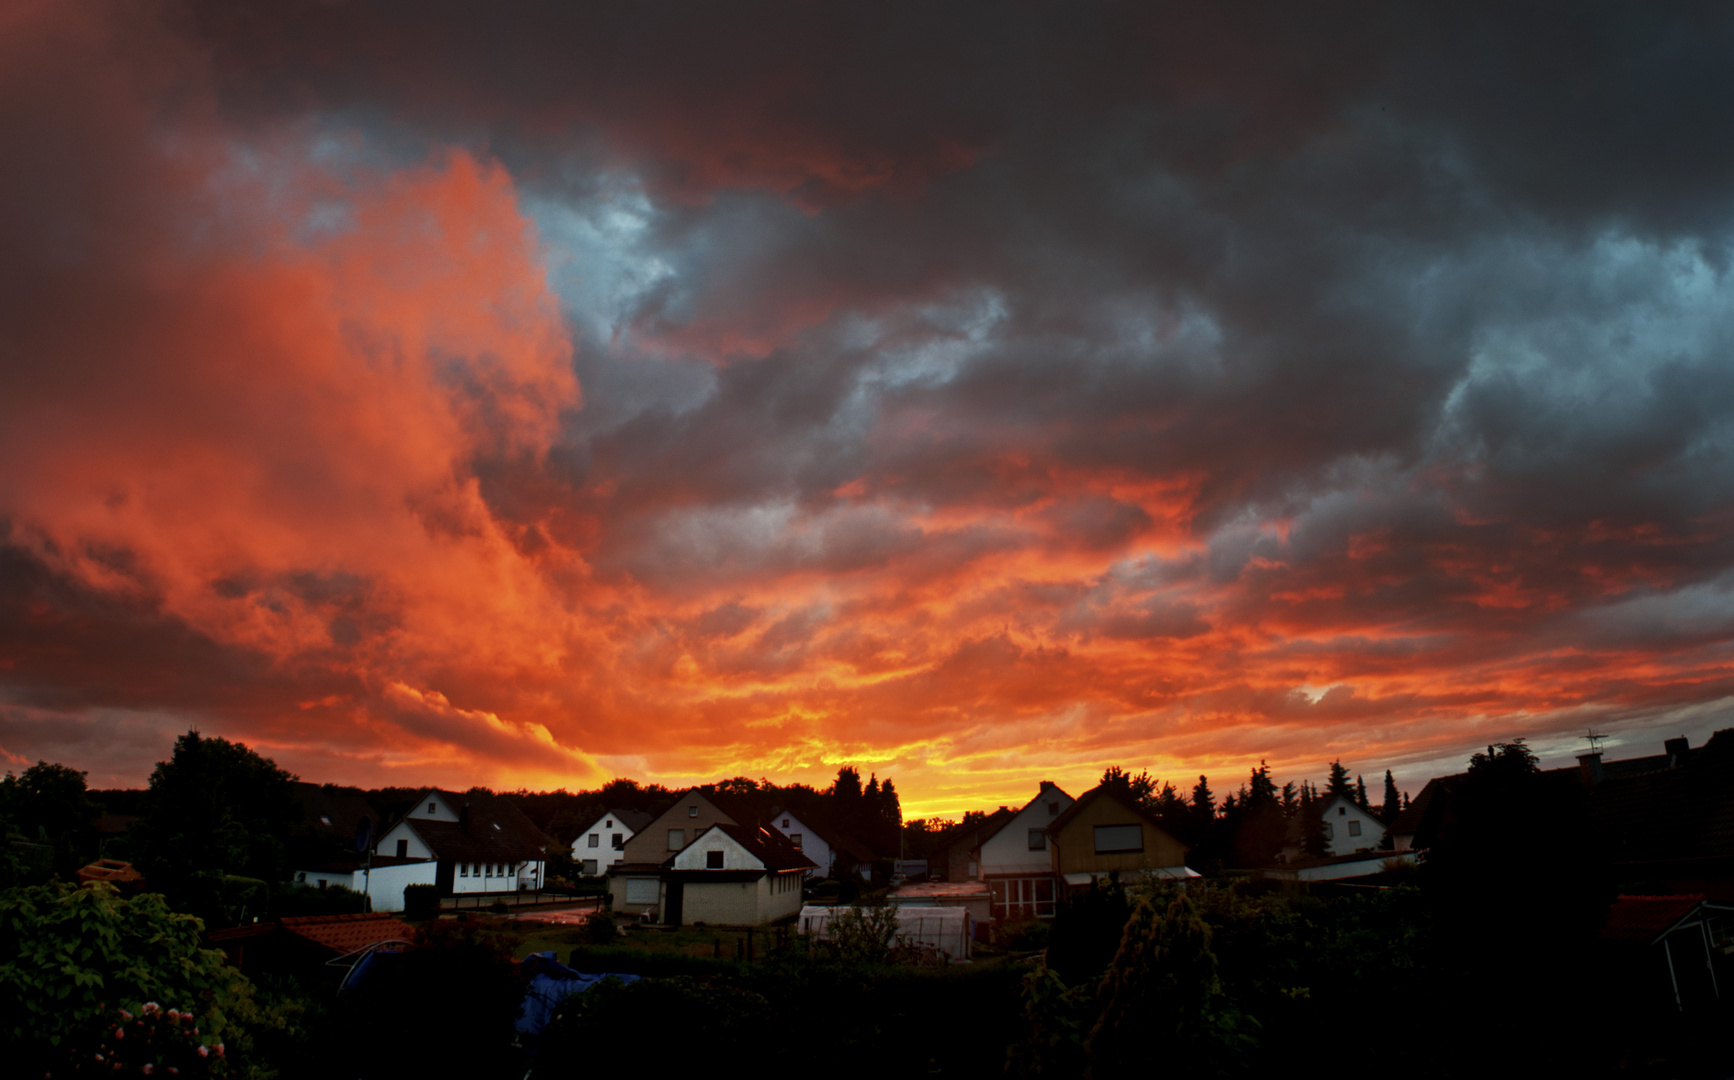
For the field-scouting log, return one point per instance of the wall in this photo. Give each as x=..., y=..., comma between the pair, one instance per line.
x=385, y=884
x=442, y=811
x=401, y=831
x=722, y=903
x=813, y=846
x=1074, y=850
x=618, y=890
x=604, y=852
x=735, y=857
x=651, y=845
x=1337, y=813
x=1009, y=852
x=312, y=878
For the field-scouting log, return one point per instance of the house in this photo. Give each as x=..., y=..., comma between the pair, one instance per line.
x=1016, y=862
x=604, y=843
x=732, y=875
x=635, y=882
x=1348, y=828
x=1665, y=821
x=1107, y=832
x=958, y=849
x=480, y=842
x=1672, y=949
x=834, y=854
x=383, y=878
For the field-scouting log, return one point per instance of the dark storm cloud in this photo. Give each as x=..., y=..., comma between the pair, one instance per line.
x=1109, y=371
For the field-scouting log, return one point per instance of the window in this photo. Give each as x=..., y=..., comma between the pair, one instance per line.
x=595, y=840
x=433, y=808
x=608, y=824
x=589, y=867
x=1354, y=828
x=1053, y=809
x=713, y=860
x=322, y=883
x=641, y=890
x=795, y=839
x=403, y=849
x=1038, y=840
x=1328, y=833
x=463, y=869
x=692, y=811
x=1116, y=838
x=1342, y=811
x=619, y=842
x=1022, y=898
x=785, y=823
x=676, y=839
x=301, y=878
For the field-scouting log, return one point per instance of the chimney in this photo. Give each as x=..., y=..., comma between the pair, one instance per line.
x=1589, y=768
x=1677, y=749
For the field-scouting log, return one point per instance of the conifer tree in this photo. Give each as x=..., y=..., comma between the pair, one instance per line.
x=1361, y=794
x=1389, y=810
x=1338, y=784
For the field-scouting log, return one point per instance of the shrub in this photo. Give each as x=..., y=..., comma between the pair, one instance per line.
x=78, y=954
x=600, y=928
x=421, y=902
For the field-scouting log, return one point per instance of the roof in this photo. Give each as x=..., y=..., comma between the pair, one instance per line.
x=346, y=933
x=768, y=846
x=333, y=811
x=1682, y=810
x=1409, y=819
x=490, y=829
x=636, y=820
x=1646, y=918
x=942, y=890
x=977, y=832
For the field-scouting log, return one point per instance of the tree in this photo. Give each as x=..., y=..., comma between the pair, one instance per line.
x=1313, y=840
x=1338, y=784
x=1361, y=794
x=1140, y=789
x=214, y=808
x=78, y=954
x=1260, y=828
x=49, y=804
x=1162, y=999
x=1389, y=810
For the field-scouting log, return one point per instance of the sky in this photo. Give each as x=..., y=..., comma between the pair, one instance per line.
x=529, y=395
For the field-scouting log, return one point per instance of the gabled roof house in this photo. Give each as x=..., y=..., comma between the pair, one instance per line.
x=732, y=875
x=1105, y=832
x=481, y=842
x=603, y=844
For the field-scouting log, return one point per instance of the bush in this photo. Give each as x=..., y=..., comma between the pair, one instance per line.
x=421, y=902
x=600, y=928
x=78, y=954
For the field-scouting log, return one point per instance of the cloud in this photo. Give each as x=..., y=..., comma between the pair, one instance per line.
x=981, y=394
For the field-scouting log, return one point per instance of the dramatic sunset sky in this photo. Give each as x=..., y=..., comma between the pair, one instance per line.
x=976, y=393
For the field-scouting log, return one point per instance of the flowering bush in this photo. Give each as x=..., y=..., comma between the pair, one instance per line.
x=72, y=958
x=152, y=1042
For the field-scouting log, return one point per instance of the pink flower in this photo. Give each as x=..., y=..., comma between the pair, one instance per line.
x=174, y=1016
x=219, y=1049
x=148, y=1068
x=204, y=1052
x=120, y=1033
x=124, y=1015
x=150, y=1007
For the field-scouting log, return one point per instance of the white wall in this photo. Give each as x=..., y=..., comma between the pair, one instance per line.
x=385, y=884
x=486, y=878
x=312, y=879
x=735, y=857
x=439, y=810
x=813, y=846
x=602, y=831
x=1009, y=852
x=414, y=848
x=1337, y=813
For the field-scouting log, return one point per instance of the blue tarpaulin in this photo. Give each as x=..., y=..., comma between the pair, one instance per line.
x=552, y=982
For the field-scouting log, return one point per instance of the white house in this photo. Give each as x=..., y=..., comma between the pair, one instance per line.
x=731, y=875
x=480, y=842
x=1348, y=828
x=1016, y=863
x=604, y=843
x=834, y=854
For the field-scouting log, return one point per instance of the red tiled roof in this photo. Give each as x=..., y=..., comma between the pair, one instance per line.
x=1645, y=918
x=346, y=933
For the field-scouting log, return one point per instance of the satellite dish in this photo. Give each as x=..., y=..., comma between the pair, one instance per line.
x=363, y=834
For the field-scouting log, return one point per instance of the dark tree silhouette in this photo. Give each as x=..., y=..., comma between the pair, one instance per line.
x=1391, y=807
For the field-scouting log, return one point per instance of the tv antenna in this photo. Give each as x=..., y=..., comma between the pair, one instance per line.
x=1594, y=740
